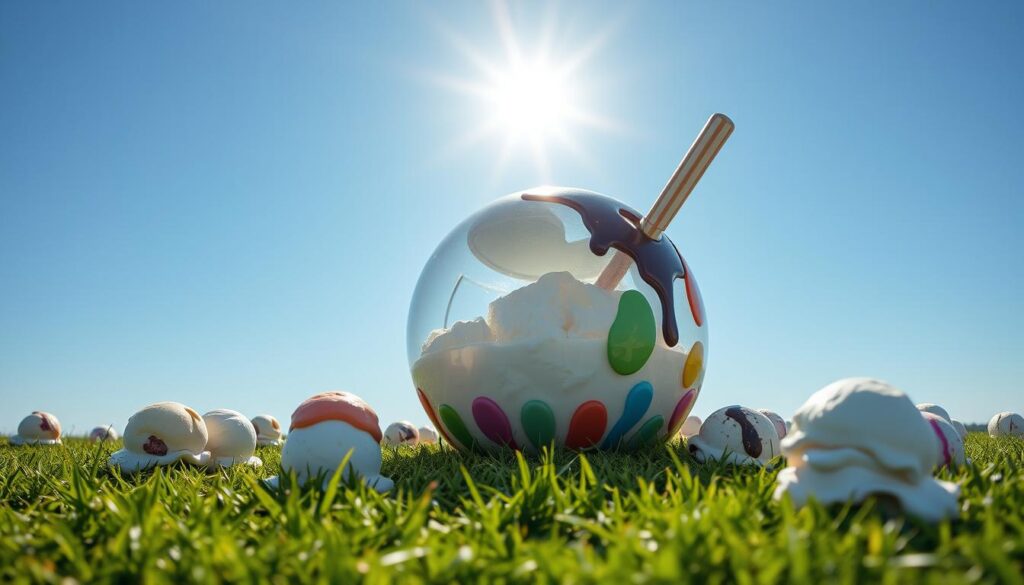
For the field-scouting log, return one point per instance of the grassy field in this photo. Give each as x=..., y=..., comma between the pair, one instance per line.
x=655, y=517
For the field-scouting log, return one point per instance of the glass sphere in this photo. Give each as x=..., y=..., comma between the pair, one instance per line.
x=512, y=344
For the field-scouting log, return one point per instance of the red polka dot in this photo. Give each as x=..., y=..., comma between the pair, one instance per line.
x=587, y=425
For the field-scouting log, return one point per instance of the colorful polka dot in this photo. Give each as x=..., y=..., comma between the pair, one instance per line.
x=632, y=335
x=693, y=296
x=456, y=427
x=587, y=425
x=681, y=410
x=433, y=416
x=694, y=365
x=647, y=433
x=637, y=402
x=538, y=422
x=492, y=422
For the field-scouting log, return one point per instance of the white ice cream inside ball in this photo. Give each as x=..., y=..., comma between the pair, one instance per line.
x=548, y=341
x=319, y=449
x=557, y=306
x=232, y=439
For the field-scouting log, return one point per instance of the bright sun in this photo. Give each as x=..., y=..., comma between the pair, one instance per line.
x=530, y=101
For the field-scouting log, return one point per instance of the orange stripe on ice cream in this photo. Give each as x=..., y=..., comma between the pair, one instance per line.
x=340, y=406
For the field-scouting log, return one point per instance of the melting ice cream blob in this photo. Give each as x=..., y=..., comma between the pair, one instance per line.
x=691, y=426
x=103, y=434
x=325, y=429
x=428, y=435
x=950, y=451
x=268, y=430
x=860, y=437
x=38, y=428
x=161, y=434
x=232, y=439
x=402, y=432
x=737, y=434
x=934, y=409
x=960, y=429
x=777, y=421
x=1006, y=424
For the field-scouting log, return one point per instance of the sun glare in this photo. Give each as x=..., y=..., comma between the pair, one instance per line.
x=529, y=98
x=531, y=102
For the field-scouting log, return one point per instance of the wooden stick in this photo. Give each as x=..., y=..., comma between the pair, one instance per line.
x=697, y=160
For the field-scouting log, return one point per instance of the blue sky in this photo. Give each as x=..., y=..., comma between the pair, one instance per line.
x=228, y=204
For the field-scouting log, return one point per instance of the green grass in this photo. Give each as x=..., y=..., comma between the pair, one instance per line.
x=654, y=517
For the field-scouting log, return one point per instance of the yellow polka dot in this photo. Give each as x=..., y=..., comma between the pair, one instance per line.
x=694, y=364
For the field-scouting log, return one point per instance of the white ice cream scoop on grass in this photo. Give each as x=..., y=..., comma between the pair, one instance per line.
x=232, y=439
x=950, y=447
x=1006, y=424
x=162, y=434
x=428, y=436
x=960, y=429
x=738, y=435
x=268, y=430
x=778, y=421
x=38, y=428
x=935, y=409
x=691, y=426
x=103, y=434
x=860, y=437
x=327, y=428
x=402, y=432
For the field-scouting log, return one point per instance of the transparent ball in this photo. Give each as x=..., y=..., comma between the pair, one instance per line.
x=511, y=342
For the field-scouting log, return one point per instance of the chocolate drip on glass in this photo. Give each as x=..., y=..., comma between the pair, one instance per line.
x=613, y=225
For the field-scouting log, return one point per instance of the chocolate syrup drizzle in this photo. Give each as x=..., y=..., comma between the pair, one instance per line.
x=751, y=440
x=613, y=225
x=154, y=446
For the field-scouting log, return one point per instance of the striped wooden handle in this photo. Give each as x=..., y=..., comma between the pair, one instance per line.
x=678, y=188
x=689, y=171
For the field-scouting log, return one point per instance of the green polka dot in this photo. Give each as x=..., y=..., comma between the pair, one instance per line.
x=538, y=422
x=647, y=433
x=456, y=427
x=632, y=334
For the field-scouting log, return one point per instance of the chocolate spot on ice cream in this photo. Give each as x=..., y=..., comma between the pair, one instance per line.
x=154, y=446
x=44, y=423
x=613, y=225
x=751, y=440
